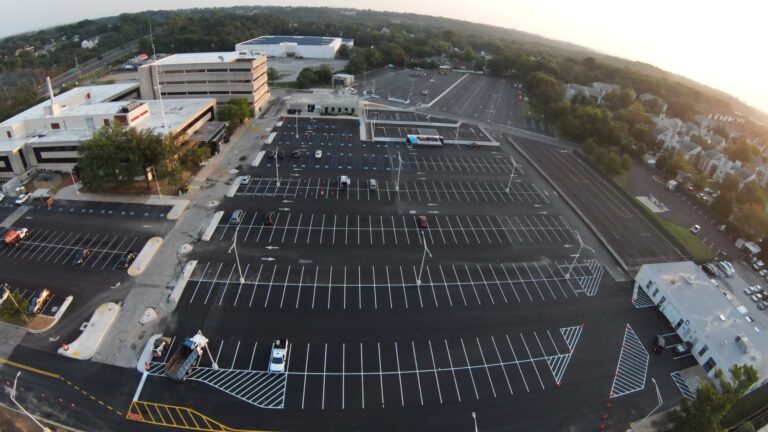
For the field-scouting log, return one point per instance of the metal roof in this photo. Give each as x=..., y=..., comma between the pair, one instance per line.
x=298, y=40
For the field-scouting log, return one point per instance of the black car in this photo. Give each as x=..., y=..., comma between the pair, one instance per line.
x=281, y=155
x=127, y=259
x=81, y=256
x=296, y=153
x=269, y=218
x=272, y=154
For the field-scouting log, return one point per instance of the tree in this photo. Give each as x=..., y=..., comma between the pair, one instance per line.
x=114, y=156
x=343, y=52
x=273, y=75
x=700, y=180
x=730, y=184
x=705, y=412
x=751, y=193
x=14, y=308
x=722, y=206
x=307, y=77
x=751, y=219
x=740, y=150
x=234, y=111
x=544, y=91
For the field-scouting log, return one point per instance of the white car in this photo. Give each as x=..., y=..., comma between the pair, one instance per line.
x=425, y=92
x=651, y=162
x=2, y=197
x=755, y=298
x=22, y=199
x=318, y=154
x=245, y=179
x=279, y=356
x=696, y=229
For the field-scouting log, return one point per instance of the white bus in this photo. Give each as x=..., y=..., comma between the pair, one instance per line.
x=424, y=140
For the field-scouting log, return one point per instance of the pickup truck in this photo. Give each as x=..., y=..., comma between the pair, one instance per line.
x=186, y=357
x=13, y=237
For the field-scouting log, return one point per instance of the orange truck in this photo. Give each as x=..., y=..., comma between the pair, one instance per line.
x=13, y=237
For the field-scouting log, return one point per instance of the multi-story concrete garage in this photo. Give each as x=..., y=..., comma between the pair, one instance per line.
x=218, y=75
x=296, y=46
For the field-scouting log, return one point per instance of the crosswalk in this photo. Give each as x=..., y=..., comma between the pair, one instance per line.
x=633, y=365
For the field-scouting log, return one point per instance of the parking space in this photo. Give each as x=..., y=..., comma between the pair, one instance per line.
x=64, y=247
x=407, y=87
x=398, y=230
x=356, y=375
x=412, y=190
x=419, y=163
x=387, y=287
x=323, y=132
x=131, y=210
x=50, y=306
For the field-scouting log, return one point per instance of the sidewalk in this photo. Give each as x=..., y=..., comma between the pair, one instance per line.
x=122, y=346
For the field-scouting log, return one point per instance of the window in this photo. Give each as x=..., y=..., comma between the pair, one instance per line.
x=663, y=299
x=709, y=365
x=703, y=350
x=8, y=133
x=649, y=284
x=55, y=126
x=679, y=323
x=656, y=291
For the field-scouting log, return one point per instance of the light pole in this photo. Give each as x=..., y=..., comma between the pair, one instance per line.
x=423, y=258
x=456, y=140
x=578, y=254
x=512, y=175
x=399, y=168
x=296, y=118
x=74, y=183
x=474, y=419
x=237, y=257
x=157, y=183
x=658, y=396
x=13, y=398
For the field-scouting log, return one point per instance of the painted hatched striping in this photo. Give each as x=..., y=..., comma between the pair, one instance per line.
x=176, y=417
x=558, y=364
x=633, y=365
x=682, y=385
x=262, y=389
x=642, y=300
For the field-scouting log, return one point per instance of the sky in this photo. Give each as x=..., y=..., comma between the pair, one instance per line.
x=720, y=44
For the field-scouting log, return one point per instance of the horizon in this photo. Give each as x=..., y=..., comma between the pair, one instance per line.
x=689, y=48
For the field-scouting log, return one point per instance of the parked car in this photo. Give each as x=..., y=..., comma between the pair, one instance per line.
x=272, y=154
x=37, y=303
x=659, y=344
x=269, y=218
x=425, y=92
x=245, y=179
x=81, y=256
x=421, y=221
x=237, y=217
x=296, y=153
x=2, y=197
x=278, y=356
x=683, y=348
x=373, y=184
x=755, y=298
x=21, y=199
x=127, y=259
x=318, y=154
x=696, y=229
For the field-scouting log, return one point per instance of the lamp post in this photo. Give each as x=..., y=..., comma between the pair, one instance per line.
x=512, y=175
x=578, y=254
x=474, y=419
x=13, y=398
x=456, y=140
x=157, y=183
x=399, y=168
x=423, y=258
x=237, y=257
x=658, y=397
x=74, y=183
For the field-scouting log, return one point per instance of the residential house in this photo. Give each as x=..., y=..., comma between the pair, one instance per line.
x=572, y=90
x=90, y=43
x=761, y=174
x=745, y=176
x=688, y=149
x=709, y=161
x=668, y=131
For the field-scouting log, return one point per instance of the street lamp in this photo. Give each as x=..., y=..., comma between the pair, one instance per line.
x=10, y=296
x=658, y=397
x=13, y=398
x=456, y=140
x=474, y=419
x=512, y=175
x=399, y=168
x=74, y=183
x=237, y=257
x=578, y=254
x=154, y=175
x=423, y=258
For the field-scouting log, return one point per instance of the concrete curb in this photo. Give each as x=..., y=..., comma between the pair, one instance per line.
x=177, y=210
x=178, y=289
x=235, y=186
x=572, y=205
x=146, y=355
x=145, y=256
x=212, y=226
x=57, y=317
x=257, y=160
x=86, y=345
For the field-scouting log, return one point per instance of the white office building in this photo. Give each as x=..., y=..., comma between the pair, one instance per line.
x=218, y=75
x=706, y=316
x=46, y=136
x=311, y=47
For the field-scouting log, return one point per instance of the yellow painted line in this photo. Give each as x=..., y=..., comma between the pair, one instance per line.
x=29, y=368
x=135, y=413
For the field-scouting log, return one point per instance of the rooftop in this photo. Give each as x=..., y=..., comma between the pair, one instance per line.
x=711, y=314
x=74, y=97
x=298, y=40
x=208, y=57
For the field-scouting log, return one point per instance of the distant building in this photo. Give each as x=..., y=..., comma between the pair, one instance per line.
x=706, y=317
x=343, y=80
x=598, y=90
x=218, y=75
x=296, y=46
x=46, y=136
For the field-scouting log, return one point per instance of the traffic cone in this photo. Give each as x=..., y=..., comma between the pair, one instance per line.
x=65, y=347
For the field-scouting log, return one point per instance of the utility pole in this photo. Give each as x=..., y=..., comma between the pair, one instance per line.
x=237, y=257
x=578, y=254
x=423, y=258
x=13, y=398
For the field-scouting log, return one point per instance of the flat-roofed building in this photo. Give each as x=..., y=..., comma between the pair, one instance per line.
x=218, y=75
x=296, y=46
x=718, y=330
x=46, y=136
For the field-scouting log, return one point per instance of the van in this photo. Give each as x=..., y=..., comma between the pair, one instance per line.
x=373, y=184
x=344, y=181
x=236, y=218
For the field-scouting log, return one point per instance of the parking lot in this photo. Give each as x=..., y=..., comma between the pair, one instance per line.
x=405, y=87
x=385, y=287
x=326, y=188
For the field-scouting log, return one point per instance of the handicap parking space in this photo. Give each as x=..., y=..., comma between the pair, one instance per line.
x=410, y=190
x=359, y=375
x=63, y=246
x=388, y=287
x=397, y=230
x=132, y=210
